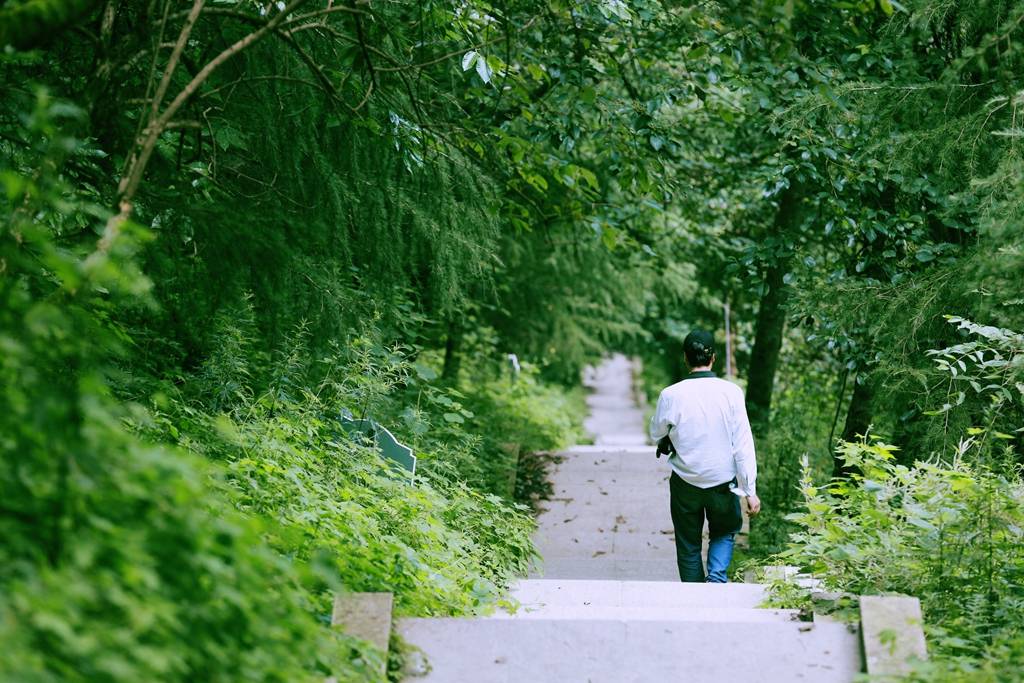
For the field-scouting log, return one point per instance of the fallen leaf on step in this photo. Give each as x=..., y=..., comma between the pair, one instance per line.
x=620, y=519
x=598, y=552
x=566, y=521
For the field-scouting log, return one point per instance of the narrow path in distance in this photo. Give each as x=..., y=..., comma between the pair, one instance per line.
x=609, y=515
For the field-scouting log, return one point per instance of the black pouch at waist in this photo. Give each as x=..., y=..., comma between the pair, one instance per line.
x=726, y=487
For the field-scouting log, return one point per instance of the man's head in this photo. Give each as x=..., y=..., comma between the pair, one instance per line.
x=699, y=348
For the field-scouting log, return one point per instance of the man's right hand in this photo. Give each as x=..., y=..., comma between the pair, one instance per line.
x=753, y=505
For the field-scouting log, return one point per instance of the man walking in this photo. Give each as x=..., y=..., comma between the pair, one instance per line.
x=702, y=423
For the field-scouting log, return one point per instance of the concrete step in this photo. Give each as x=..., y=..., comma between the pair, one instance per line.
x=622, y=613
x=637, y=448
x=604, y=567
x=487, y=650
x=532, y=593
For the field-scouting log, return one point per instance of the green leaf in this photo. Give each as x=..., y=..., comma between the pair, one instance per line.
x=424, y=371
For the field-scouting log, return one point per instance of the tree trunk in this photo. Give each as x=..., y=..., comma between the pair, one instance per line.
x=771, y=321
x=858, y=420
x=764, y=357
x=676, y=365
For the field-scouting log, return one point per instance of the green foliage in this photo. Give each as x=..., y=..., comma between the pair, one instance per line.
x=439, y=545
x=121, y=560
x=949, y=534
x=516, y=419
x=127, y=556
x=806, y=395
x=369, y=206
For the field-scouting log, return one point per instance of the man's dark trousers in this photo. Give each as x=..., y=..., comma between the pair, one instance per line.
x=690, y=504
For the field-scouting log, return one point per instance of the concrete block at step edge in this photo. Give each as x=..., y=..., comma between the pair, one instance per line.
x=366, y=616
x=893, y=634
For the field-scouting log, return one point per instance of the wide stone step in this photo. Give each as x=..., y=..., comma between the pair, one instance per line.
x=487, y=650
x=604, y=567
x=620, y=613
x=534, y=593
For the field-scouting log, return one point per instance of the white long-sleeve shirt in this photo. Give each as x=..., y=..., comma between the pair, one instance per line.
x=706, y=419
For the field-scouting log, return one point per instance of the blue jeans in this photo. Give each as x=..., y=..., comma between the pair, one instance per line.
x=690, y=506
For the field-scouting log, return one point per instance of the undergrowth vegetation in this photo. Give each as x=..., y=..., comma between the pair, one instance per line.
x=196, y=525
x=947, y=528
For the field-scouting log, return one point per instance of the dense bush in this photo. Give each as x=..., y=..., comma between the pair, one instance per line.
x=121, y=560
x=947, y=528
x=951, y=534
x=195, y=525
x=441, y=546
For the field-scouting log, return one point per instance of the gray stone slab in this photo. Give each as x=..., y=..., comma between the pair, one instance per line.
x=612, y=479
x=624, y=439
x=567, y=592
x=366, y=616
x=613, y=456
x=655, y=613
x=613, y=651
x=608, y=568
x=648, y=546
x=771, y=652
x=893, y=634
x=636, y=508
x=651, y=493
x=622, y=511
x=596, y=520
x=668, y=593
x=609, y=516
x=737, y=595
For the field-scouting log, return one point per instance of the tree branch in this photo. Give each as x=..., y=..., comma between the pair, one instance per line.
x=144, y=149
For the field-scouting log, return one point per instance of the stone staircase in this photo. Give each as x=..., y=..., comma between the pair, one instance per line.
x=592, y=630
x=607, y=604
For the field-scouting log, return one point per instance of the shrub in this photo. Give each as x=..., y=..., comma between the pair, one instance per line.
x=440, y=546
x=951, y=534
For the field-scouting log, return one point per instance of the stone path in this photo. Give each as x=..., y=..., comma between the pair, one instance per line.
x=607, y=606
x=609, y=515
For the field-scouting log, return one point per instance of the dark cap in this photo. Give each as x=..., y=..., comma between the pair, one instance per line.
x=699, y=347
